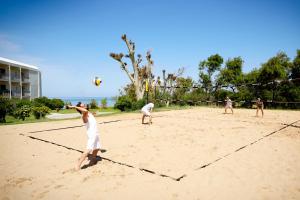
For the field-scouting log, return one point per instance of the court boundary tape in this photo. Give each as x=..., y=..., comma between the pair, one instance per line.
x=156, y=173
x=247, y=145
x=107, y=159
x=295, y=126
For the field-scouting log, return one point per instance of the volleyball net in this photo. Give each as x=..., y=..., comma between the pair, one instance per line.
x=183, y=95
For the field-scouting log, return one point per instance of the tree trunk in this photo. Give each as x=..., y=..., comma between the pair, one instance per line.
x=139, y=91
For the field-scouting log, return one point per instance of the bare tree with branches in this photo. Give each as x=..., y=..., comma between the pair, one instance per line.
x=141, y=73
x=169, y=82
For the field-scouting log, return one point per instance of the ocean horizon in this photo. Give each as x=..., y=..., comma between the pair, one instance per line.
x=86, y=100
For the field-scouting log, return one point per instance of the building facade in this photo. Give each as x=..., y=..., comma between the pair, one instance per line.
x=19, y=80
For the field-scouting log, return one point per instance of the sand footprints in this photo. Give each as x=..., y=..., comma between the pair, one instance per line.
x=19, y=182
x=69, y=171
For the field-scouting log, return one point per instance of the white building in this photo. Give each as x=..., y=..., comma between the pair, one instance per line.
x=19, y=80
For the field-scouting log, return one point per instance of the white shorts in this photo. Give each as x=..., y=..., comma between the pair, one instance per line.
x=93, y=143
x=146, y=112
x=229, y=106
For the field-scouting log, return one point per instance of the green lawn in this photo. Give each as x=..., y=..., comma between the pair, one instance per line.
x=10, y=120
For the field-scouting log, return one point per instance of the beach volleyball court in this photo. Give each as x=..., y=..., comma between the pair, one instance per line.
x=181, y=149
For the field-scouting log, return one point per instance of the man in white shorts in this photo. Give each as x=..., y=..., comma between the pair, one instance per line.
x=146, y=112
x=228, y=105
x=93, y=145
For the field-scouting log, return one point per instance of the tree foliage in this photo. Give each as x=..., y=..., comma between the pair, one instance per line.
x=275, y=68
x=231, y=74
x=22, y=112
x=6, y=107
x=104, y=103
x=93, y=104
x=40, y=112
x=271, y=82
x=295, y=69
x=53, y=104
x=207, y=68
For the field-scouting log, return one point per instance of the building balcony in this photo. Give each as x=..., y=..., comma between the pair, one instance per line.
x=6, y=95
x=4, y=92
x=25, y=79
x=15, y=79
x=16, y=94
x=4, y=77
x=26, y=94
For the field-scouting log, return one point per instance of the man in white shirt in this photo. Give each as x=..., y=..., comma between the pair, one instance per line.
x=146, y=112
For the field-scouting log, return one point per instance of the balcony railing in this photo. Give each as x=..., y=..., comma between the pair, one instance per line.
x=15, y=94
x=4, y=92
x=4, y=77
x=15, y=78
x=25, y=79
x=6, y=95
x=26, y=94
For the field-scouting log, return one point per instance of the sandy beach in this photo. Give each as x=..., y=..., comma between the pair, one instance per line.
x=197, y=153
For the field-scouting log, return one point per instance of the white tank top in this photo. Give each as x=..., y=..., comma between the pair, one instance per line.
x=91, y=125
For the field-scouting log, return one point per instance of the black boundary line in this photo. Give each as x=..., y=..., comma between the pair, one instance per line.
x=150, y=171
x=105, y=122
x=239, y=149
x=295, y=126
x=54, y=129
x=68, y=127
x=107, y=159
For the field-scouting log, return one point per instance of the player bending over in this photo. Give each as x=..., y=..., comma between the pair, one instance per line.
x=146, y=112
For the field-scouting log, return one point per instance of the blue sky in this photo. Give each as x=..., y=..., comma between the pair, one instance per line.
x=70, y=40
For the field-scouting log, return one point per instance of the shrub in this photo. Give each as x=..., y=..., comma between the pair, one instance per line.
x=53, y=104
x=41, y=111
x=137, y=105
x=123, y=103
x=42, y=101
x=22, y=112
x=104, y=103
x=23, y=102
x=5, y=108
x=56, y=104
x=68, y=103
x=93, y=104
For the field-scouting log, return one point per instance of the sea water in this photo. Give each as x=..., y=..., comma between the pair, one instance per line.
x=87, y=100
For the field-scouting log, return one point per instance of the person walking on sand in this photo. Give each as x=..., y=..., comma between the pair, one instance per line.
x=228, y=104
x=93, y=144
x=259, y=106
x=146, y=112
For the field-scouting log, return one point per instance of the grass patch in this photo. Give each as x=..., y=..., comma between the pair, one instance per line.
x=10, y=120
